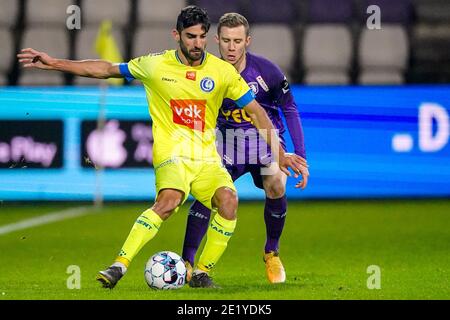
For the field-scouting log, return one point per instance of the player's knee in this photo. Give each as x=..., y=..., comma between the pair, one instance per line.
x=275, y=190
x=227, y=202
x=166, y=205
x=230, y=198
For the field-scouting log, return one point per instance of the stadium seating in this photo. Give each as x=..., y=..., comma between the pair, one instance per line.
x=85, y=42
x=326, y=45
x=327, y=51
x=152, y=39
x=383, y=55
x=45, y=30
x=85, y=49
x=380, y=77
x=216, y=8
x=397, y=11
x=330, y=11
x=430, y=60
x=9, y=13
x=313, y=41
x=33, y=77
x=51, y=40
x=430, y=43
x=268, y=11
x=432, y=11
x=326, y=77
x=47, y=12
x=212, y=46
x=96, y=11
x=156, y=11
x=6, y=53
x=276, y=43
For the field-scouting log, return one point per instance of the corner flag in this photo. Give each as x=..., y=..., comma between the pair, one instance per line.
x=106, y=47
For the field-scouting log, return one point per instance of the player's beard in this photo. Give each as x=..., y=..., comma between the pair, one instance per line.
x=188, y=55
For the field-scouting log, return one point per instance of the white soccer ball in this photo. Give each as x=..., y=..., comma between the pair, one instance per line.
x=165, y=270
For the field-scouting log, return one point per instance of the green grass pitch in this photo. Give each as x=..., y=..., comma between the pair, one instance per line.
x=326, y=247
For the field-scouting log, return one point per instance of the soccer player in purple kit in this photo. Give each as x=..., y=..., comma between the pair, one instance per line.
x=241, y=152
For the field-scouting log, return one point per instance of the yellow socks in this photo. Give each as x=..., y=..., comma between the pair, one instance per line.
x=147, y=225
x=219, y=232
x=144, y=229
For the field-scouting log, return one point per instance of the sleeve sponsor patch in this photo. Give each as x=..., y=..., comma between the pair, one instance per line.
x=262, y=83
x=285, y=85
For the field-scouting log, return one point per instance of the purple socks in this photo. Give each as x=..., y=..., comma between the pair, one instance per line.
x=274, y=217
x=198, y=221
x=197, y=225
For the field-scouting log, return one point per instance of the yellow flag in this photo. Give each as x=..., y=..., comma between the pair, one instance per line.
x=106, y=47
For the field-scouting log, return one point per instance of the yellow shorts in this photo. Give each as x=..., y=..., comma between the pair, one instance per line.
x=199, y=178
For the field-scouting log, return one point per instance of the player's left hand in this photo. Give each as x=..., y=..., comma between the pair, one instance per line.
x=298, y=164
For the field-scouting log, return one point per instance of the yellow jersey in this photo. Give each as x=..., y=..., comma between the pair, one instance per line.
x=184, y=101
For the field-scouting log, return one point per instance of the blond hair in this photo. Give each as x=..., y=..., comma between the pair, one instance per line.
x=233, y=20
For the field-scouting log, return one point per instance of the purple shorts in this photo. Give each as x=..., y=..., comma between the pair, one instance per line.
x=236, y=171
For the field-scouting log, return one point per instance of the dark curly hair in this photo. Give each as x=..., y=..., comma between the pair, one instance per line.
x=191, y=16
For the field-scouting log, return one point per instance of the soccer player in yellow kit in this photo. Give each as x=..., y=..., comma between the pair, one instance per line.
x=185, y=89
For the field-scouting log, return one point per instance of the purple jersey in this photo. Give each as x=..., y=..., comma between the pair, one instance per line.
x=272, y=92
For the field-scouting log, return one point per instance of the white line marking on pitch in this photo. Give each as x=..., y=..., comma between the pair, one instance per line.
x=45, y=219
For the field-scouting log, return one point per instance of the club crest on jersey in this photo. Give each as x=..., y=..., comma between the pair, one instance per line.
x=207, y=84
x=254, y=86
x=262, y=83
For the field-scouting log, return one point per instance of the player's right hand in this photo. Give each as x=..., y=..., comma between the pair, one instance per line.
x=30, y=58
x=298, y=165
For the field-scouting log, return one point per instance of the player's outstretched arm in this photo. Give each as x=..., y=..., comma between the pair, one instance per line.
x=285, y=160
x=100, y=69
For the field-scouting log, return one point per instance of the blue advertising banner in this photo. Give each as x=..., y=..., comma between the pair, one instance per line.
x=361, y=142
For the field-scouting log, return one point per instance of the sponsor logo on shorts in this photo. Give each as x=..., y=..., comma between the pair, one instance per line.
x=167, y=162
x=227, y=159
x=207, y=84
x=190, y=113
